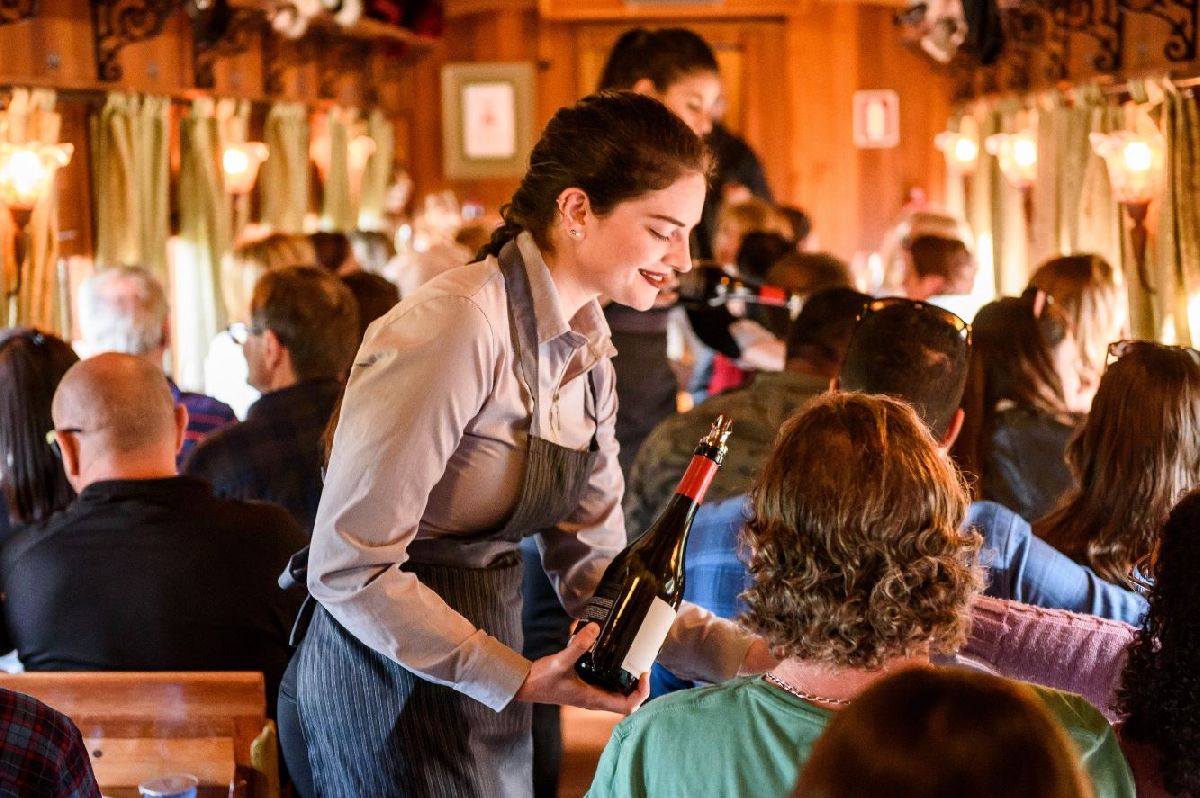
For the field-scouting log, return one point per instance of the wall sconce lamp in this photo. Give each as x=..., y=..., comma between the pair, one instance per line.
x=962, y=152
x=1017, y=154
x=1135, y=168
x=26, y=178
x=240, y=162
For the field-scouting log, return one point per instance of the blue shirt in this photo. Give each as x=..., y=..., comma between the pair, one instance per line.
x=1021, y=567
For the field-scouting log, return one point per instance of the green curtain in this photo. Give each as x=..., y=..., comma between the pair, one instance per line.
x=1174, y=256
x=43, y=298
x=1099, y=228
x=1072, y=208
x=283, y=181
x=1004, y=205
x=131, y=181
x=338, y=210
x=378, y=174
x=204, y=234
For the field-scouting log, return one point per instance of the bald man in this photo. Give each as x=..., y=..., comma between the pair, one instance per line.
x=147, y=570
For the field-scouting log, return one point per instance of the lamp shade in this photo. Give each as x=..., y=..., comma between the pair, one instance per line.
x=962, y=152
x=1135, y=164
x=27, y=172
x=1017, y=154
x=240, y=162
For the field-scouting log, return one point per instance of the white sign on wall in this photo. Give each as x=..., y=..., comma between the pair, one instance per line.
x=876, y=119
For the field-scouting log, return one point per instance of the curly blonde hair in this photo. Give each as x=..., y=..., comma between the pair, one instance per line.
x=854, y=540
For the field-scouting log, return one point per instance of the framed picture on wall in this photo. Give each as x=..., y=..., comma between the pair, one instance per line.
x=487, y=119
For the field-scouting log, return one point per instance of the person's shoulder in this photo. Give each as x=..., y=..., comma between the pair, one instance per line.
x=480, y=283
x=687, y=706
x=993, y=521
x=218, y=452
x=255, y=520
x=33, y=538
x=1077, y=715
x=728, y=513
x=209, y=409
x=462, y=305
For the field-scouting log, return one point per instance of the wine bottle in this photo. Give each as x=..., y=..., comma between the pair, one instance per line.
x=711, y=286
x=640, y=592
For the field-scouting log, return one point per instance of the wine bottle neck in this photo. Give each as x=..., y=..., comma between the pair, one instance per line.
x=697, y=478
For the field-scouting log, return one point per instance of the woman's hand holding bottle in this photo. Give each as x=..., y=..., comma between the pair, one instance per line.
x=552, y=680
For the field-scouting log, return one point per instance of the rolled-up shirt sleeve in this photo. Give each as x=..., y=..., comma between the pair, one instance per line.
x=575, y=553
x=423, y=373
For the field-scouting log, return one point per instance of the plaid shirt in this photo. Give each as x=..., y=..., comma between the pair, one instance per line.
x=41, y=752
x=205, y=415
x=714, y=575
x=275, y=454
x=758, y=410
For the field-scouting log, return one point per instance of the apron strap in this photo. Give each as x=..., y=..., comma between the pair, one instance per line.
x=523, y=325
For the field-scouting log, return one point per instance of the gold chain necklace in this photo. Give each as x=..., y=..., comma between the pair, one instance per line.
x=782, y=685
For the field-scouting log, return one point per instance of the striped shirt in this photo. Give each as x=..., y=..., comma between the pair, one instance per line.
x=205, y=415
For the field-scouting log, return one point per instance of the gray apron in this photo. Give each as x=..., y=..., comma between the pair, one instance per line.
x=374, y=728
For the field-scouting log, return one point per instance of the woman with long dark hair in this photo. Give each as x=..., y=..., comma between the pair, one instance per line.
x=1160, y=692
x=1019, y=403
x=1136, y=455
x=32, y=483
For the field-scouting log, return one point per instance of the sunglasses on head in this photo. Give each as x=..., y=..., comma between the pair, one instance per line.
x=1119, y=349
x=956, y=322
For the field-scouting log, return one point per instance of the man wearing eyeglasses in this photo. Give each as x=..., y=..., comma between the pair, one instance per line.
x=302, y=335
x=146, y=570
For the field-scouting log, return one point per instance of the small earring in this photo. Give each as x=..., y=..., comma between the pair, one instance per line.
x=576, y=233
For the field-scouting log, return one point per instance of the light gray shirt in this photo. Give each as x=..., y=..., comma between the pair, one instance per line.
x=429, y=456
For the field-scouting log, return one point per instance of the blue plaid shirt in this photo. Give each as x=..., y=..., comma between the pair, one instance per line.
x=41, y=751
x=1021, y=567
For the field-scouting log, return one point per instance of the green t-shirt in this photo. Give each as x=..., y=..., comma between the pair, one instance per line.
x=747, y=738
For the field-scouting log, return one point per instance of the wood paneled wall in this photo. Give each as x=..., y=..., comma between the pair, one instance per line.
x=790, y=69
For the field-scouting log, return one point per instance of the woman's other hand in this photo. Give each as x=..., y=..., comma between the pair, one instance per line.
x=552, y=680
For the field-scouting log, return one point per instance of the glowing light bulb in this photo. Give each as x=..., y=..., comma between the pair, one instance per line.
x=27, y=171
x=1138, y=156
x=1025, y=152
x=240, y=163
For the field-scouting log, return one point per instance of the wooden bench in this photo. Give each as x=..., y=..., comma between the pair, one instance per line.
x=140, y=725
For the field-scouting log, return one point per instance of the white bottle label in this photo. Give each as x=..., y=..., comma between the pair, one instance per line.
x=649, y=638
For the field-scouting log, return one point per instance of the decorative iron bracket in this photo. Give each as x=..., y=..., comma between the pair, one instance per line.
x=1182, y=15
x=1028, y=28
x=118, y=23
x=1101, y=20
x=236, y=37
x=17, y=11
x=281, y=54
x=340, y=57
